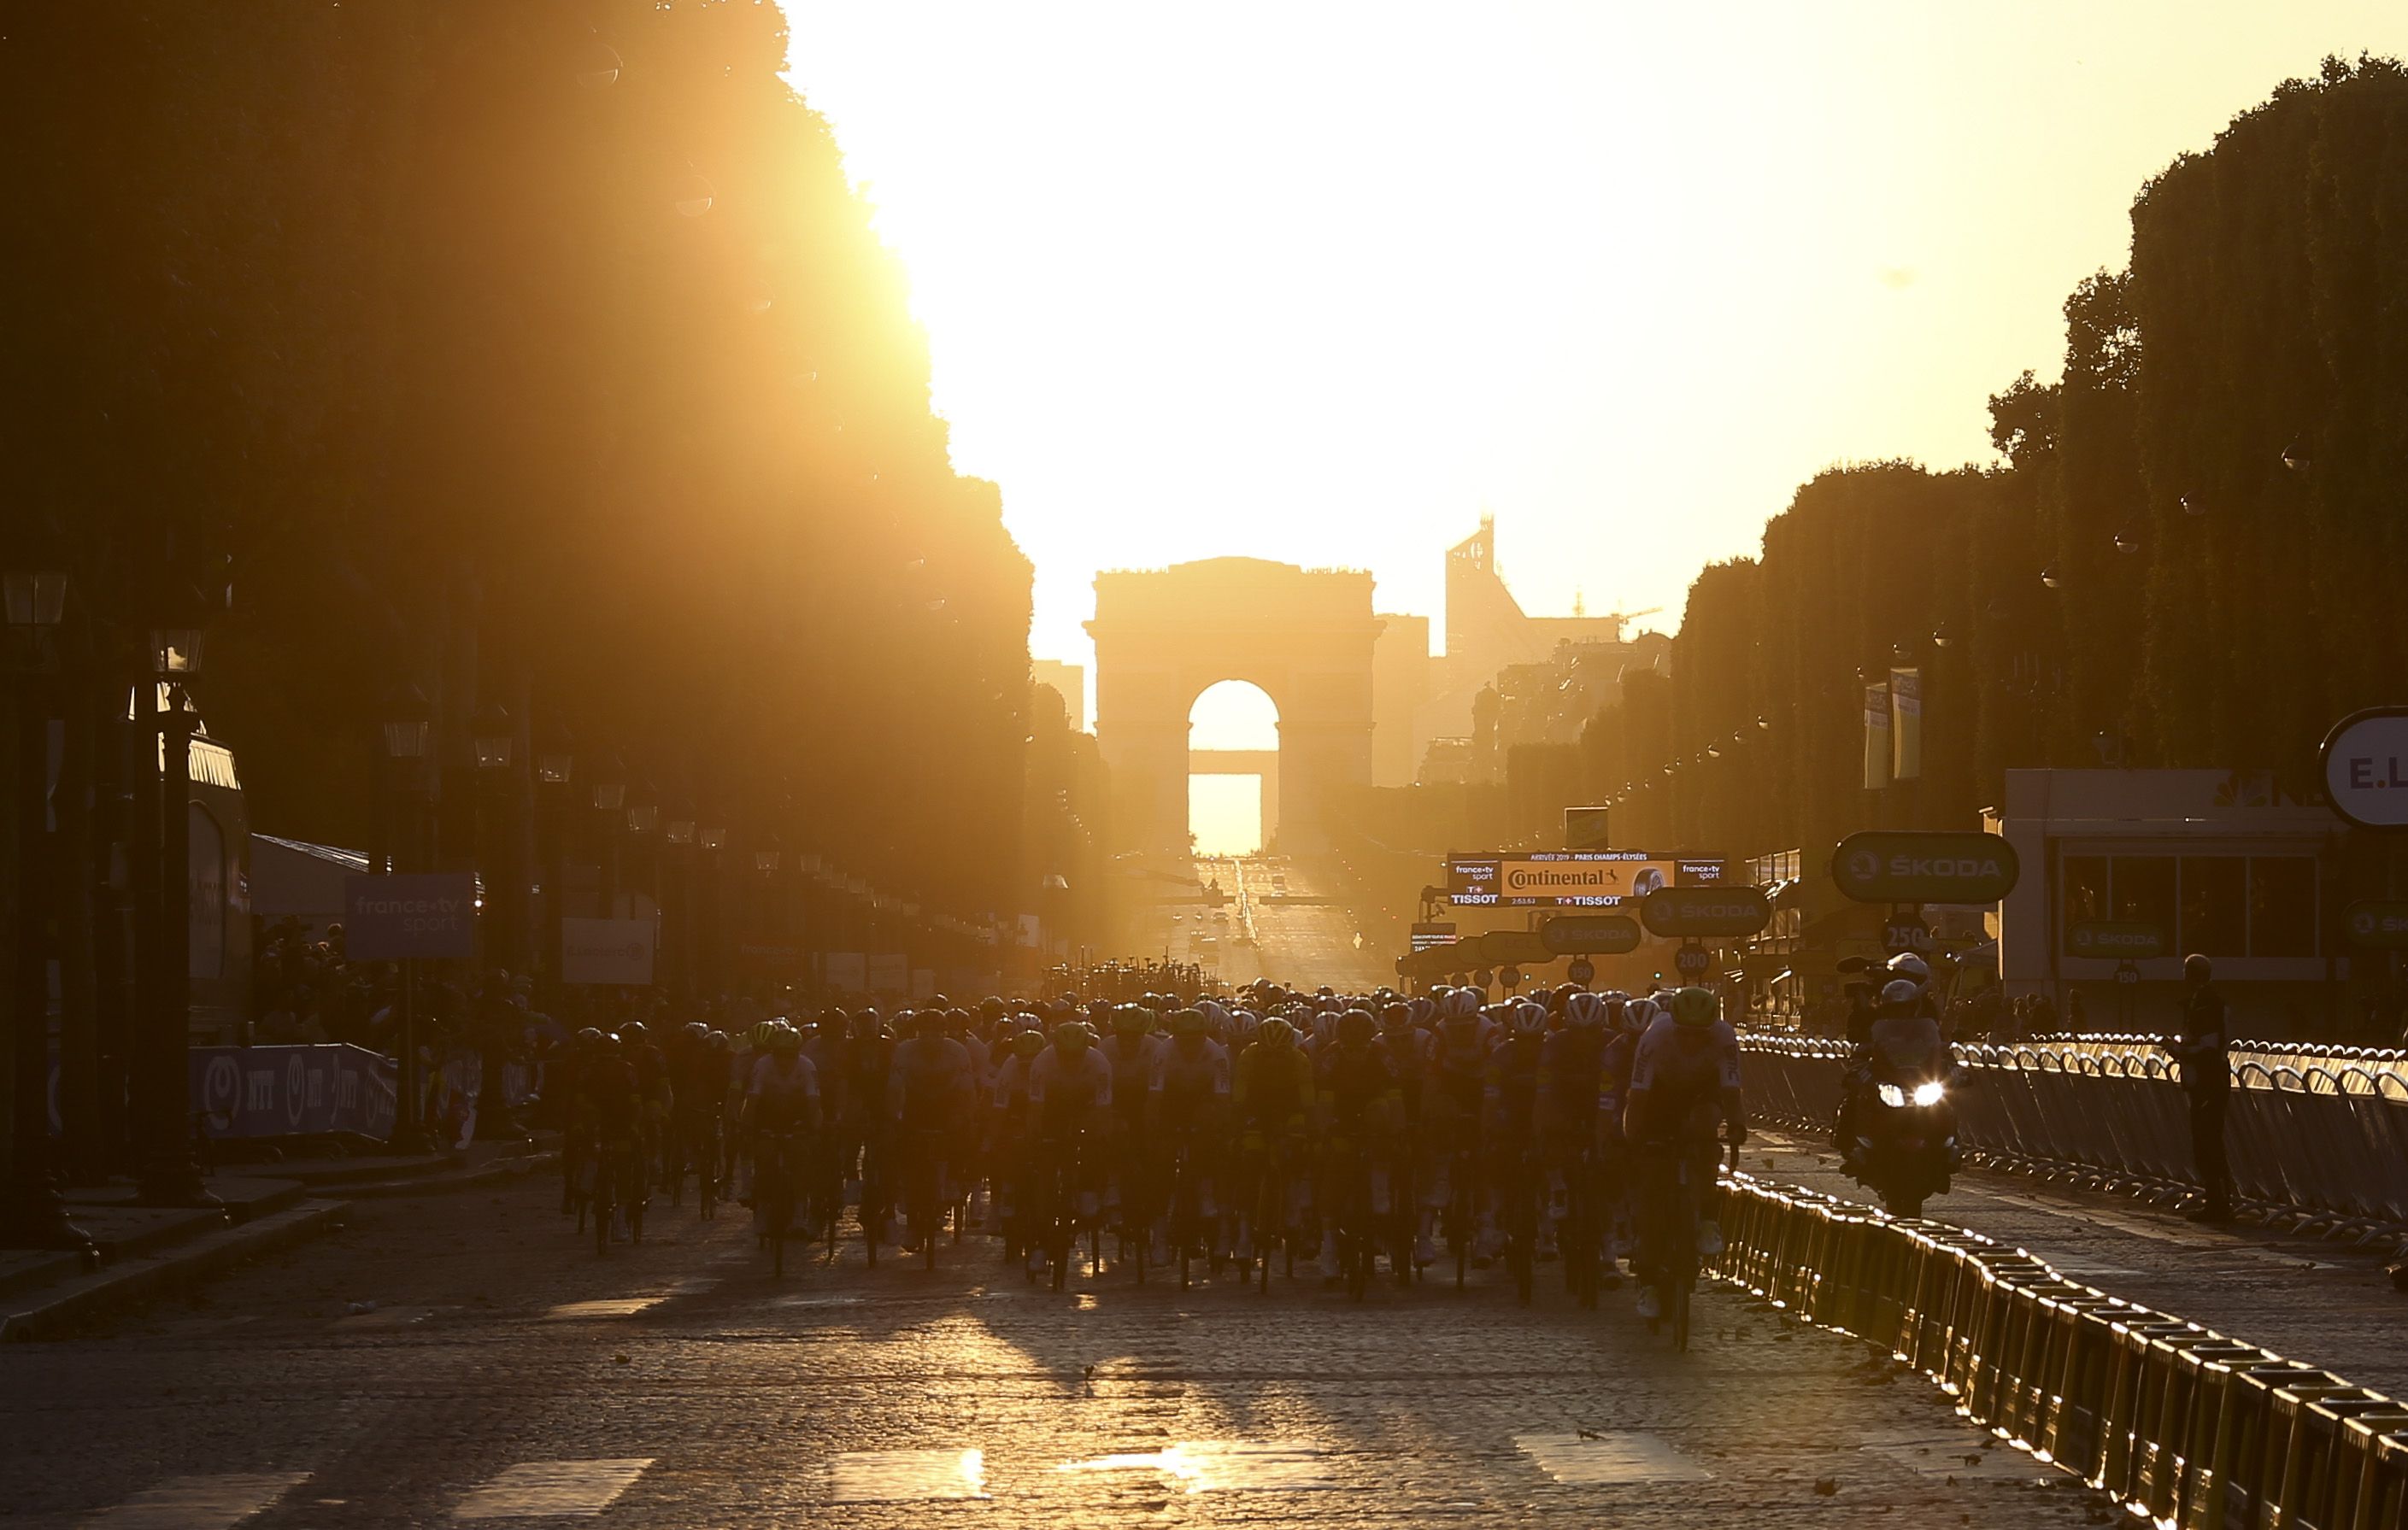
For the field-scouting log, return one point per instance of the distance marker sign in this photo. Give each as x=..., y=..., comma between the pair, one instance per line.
x=1895, y=866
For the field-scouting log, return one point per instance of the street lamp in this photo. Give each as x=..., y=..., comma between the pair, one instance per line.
x=407, y=722
x=35, y=599
x=610, y=784
x=493, y=735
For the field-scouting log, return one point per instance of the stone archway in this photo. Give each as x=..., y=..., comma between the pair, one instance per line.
x=1162, y=636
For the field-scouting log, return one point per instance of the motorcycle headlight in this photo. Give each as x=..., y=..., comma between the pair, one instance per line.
x=1929, y=1093
x=1892, y=1095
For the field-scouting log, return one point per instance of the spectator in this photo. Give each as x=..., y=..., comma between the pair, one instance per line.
x=2207, y=1079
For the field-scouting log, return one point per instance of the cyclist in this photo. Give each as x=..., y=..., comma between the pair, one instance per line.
x=1453, y=1092
x=1187, y=1101
x=653, y=1080
x=870, y=1066
x=697, y=1091
x=781, y=1110
x=1408, y=1046
x=1131, y=1052
x=1270, y=1091
x=1360, y=1099
x=1509, y=1100
x=932, y=1092
x=1572, y=1084
x=1069, y=1113
x=1007, y=1138
x=607, y=1108
x=1685, y=1084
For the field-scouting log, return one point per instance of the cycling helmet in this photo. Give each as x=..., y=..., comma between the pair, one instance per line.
x=718, y=1039
x=1396, y=1017
x=1900, y=994
x=1216, y=1015
x=590, y=1037
x=1185, y=1023
x=1356, y=1027
x=696, y=1030
x=1912, y=969
x=1584, y=1011
x=1072, y=1036
x=928, y=1024
x=786, y=1041
x=760, y=1036
x=1459, y=1001
x=1028, y=1043
x=1527, y=1018
x=633, y=1033
x=1276, y=1032
x=1695, y=1007
x=1637, y=1014
x=1131, y=1020
x=992, y=1007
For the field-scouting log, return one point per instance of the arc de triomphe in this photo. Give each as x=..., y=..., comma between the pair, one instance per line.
x=1163, y=635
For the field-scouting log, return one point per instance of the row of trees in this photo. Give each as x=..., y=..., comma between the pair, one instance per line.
x=2185, y=558
x=536, y=355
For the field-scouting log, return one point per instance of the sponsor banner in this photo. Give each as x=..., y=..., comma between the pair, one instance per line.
x=1590, y=935
x=1433, y=933
x=1876, y=736
x=606, y=951
x=2377, y=924
x=289, y=1091
x=1905, y=725
x=848, y=971
x=1585, y=828
x=890, y=972
x=1570, y=879
x=2122, y=941
x=1698, y=912
x=1900, y=867
x=427, y=916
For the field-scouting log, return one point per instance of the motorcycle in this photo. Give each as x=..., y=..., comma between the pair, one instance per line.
x=1906, y=1137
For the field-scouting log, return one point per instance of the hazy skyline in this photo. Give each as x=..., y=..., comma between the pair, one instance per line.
x=1321, y=284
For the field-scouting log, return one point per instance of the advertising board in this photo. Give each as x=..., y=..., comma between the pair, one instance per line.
x=1571, y=879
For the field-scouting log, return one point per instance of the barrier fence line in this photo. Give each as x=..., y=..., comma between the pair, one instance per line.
x=2176, y=1422
x=2320, y=1132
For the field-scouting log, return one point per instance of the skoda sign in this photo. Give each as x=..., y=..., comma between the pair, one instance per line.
x=1895, y=866
x=2366, y=767
x=2125, y=940
x=1590, y=935
x=2378, y=924
x=1692, y=912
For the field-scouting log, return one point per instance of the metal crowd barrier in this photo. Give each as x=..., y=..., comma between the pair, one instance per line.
x=2323, y=1131
x=2176, y=1422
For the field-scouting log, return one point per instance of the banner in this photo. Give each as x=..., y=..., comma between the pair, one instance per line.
x=420, y=915
x=890, y=972
x=606, y=951
x=848, y=972
x=1906, y=724
x=1876, y=736
x=284, y=1091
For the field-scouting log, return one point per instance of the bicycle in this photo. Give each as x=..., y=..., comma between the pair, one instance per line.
x=773, y=1194
x=1581, y=1239
x=1521, y=1222
x=1358, y=1236
x=925, y=1193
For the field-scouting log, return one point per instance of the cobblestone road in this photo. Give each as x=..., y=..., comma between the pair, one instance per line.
x=506, y=1372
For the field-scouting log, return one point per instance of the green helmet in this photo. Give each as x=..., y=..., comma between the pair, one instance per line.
x=1695, y=1007
x=763, y=1033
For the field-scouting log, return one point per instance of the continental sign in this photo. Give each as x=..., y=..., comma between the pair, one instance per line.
x=1575, y=879
x=1895, y=866
x=1701, y=912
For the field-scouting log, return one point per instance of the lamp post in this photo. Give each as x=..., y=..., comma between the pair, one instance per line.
x=407, y=723
x=555, y=770
x=677, y=896
x=169, y=1176
x=33, y=1215
x=610, y=798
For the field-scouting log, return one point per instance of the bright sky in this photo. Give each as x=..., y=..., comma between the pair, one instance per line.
x=1320, y=281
